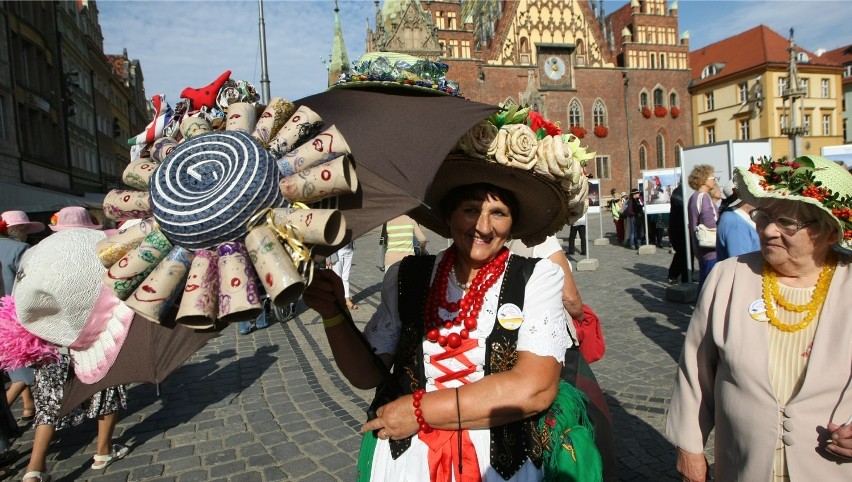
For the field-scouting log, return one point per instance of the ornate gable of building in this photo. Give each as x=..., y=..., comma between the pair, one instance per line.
x=412, y=32
x=526, y=23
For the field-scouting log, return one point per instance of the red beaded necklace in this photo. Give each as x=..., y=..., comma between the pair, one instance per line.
x=468, y=307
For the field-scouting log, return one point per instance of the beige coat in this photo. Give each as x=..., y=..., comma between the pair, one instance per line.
x=723, y=382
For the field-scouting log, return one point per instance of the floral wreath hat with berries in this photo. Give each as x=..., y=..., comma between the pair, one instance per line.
x=810, y=179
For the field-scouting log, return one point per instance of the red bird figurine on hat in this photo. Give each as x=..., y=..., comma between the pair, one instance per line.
x=205, y=96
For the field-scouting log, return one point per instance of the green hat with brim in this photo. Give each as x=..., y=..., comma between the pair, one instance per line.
x=810, y=179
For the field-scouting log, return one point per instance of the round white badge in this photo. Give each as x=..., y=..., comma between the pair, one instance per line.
x=510, y=316
x=757, y=310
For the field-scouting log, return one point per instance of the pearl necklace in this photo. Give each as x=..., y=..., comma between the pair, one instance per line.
x=468, y=307
x=463, y=286
x=771, y=292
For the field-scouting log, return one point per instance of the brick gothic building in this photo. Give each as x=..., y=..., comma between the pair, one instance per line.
x=567, y=59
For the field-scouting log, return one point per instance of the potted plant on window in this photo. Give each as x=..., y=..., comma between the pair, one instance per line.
x=601, y=130
x=578, y=131
x=660, y=111
x=646, y=112
x=675, y=112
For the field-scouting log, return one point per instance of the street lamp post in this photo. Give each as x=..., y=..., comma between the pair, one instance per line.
x=627, y=121
x=264, y=71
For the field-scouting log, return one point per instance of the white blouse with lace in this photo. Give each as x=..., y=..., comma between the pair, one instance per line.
x=543, y=333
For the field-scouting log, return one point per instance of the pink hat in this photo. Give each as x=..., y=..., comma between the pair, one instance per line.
x=19, y=218
x=73, y=217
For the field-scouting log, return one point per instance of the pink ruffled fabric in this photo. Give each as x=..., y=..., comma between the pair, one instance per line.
x=18, y=347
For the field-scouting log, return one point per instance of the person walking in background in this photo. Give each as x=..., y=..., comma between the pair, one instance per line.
x=634, y=211
x=73, y=217
x=13, y=237
x=579, y=227
x=401, y=232
x=46, y=308
x=702, y=210
x=736, y=233
x=679, y=267
x=342, y=267
x=615, y=207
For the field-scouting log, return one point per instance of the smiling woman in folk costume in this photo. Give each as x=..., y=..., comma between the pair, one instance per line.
x=767, y=357
x=476, y=336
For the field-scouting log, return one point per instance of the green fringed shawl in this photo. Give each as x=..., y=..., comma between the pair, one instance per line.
x=570, y=453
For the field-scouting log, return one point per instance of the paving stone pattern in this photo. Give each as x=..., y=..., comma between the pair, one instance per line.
x=272, y=405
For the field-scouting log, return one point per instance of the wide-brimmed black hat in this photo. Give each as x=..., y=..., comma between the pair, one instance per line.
x=542, y=204
x=519, y=151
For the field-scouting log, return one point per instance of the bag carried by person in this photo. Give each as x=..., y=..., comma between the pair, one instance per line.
x=705, y=236
x=590, y=336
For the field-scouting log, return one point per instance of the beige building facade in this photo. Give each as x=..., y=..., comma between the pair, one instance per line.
x=740, y=91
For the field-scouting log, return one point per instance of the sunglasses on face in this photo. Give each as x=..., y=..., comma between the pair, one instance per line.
x=788, y=226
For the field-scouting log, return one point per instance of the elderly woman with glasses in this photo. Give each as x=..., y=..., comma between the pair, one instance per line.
x=766, y=360
x=702, y=210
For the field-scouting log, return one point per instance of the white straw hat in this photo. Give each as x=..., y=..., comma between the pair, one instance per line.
x=59, y=297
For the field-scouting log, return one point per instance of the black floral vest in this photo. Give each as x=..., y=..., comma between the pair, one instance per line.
x=511, y=444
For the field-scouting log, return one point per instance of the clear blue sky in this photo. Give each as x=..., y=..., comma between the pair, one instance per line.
x=189, y=43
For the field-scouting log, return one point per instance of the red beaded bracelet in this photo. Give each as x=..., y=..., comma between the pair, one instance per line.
x=418, y=412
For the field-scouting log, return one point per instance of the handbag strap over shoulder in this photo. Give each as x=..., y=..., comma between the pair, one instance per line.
x=699, y=202
x=698, y=206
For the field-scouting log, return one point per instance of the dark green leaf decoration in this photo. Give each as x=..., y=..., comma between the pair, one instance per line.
x=804, y=161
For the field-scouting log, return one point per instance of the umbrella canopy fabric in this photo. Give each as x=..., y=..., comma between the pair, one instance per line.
x=150, y=353
x=399, y=139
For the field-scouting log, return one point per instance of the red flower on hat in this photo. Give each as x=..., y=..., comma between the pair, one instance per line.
x=54, y=220
x=542, y=127
x=4, y=228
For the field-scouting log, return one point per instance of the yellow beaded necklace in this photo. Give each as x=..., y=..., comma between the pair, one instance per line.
x=771, y=291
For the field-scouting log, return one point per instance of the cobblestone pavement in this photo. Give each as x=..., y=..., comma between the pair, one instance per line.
x=272, y=406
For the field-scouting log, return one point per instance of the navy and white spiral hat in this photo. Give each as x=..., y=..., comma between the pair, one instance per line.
x=208, y=187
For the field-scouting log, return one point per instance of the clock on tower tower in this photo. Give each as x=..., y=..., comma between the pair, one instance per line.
x=555, y=66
